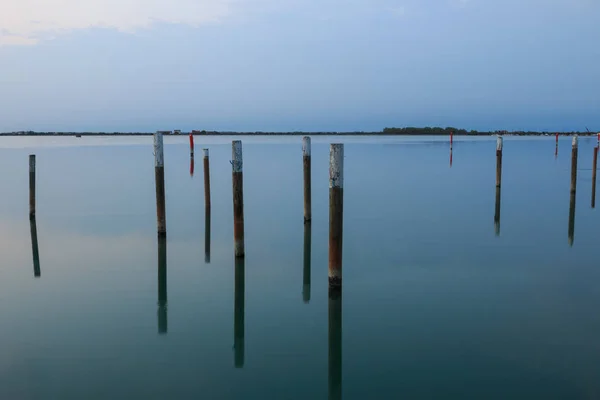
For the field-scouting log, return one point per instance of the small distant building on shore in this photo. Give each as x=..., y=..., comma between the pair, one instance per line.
x=177, y=132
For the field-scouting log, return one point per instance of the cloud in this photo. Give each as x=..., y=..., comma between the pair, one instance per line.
x=25, y=22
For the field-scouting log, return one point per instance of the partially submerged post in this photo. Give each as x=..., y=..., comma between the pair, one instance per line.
x=336, y=214
x=499, y=161
x=31, y=185
x=238, y=321
x=594, y=167
x=497, y=212
x=238, y=198
x=192, y=166
x=159, y=175
x=335, y=346
x=191, y=145
x=307, y=272
x=207, y=235
x=37, y=272
x=162, y=285
x=574, y=165
x=307, y=174
x=572, y=218
x=206, y=179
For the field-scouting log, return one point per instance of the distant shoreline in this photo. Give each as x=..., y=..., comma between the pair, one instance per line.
x=387, y=132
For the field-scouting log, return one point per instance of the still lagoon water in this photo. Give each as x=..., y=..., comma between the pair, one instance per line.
x=436, y=303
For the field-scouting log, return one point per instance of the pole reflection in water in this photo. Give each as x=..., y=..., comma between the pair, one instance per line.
x=594, y=168
x=306, y=273
x=207, y=234
x=335, y=344
x=450, y=157
x=497, y=212
x=192, y=166
x=162, y=285
x=238, y=322
x=572, y=219
x=37, y=272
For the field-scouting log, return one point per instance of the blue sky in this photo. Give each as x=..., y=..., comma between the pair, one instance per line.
x=144, y=65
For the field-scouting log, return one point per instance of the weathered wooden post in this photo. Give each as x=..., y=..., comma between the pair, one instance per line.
x=239, y=310
x=238, y=198
x=451, y=138
x=335, y=346
x=31, y=185
x=207, y=235
x=336, y=214
x=574, y=165
x=499, y=161
x=162, y=285
x=497, y=212
x=594, y=168
x=37, y=272
x=206, y=179
x=159, y=175
x=572, y=218
x=307, y=175
x=307, y=272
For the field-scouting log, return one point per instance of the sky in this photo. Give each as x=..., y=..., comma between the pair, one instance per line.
x=291, y=65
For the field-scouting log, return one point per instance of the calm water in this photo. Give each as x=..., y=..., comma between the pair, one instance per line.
x=435, y=304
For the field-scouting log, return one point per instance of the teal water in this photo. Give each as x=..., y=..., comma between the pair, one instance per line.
x=436, y=303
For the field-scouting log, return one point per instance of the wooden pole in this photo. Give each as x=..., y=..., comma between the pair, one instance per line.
x=594, y=168
x=336, y=214
x=162, y=285
x=239, y=310
x=307, y=175
x=32, y=185
x=206, y=179
x=497, y=212
x=159, y=176
x=37, y=272
x=238, y=198
x=499, y=161
x=207, y=235
x=335, y=346
x=574, y=165
x=307, y=272
x=572, y=218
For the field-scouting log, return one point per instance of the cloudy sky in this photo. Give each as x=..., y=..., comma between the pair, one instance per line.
x=131, y=65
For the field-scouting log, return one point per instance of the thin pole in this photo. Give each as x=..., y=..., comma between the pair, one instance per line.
x=32, y=185
x=594, y=168
x=159, y=177
x=574, y=165
x=191, y=145
x=499, y=161
x=306, y=150
x=206, y=179
x=238, y=198
x=37, y=272
x=207, y=235
x=336, y=214
x=497, y=212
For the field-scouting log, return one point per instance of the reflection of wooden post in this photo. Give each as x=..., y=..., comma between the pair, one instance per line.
x=499, y=161
x=574, y=165
x=336, y=214
x=335, y=346
x=306, y=273
x=206, y=179
x=207, y=235
x=162, y=285
x=594, y=167
x=37, y=272
x=307, y=173
x=450, y=157
x=191, y=166
x=497, y=212
x=238, y=322
x=159, y=176
x=572, y=218
x=238, y=198
x=31, y=185
x=556, y=147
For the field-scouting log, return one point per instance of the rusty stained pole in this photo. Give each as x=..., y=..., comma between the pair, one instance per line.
x=307, y=175
x=32, y=186
x=159, y=177
x=238, y=198
x=336, y=215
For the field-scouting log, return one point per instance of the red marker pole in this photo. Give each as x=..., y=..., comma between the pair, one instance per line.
x=451, y=138
x=191, y=145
